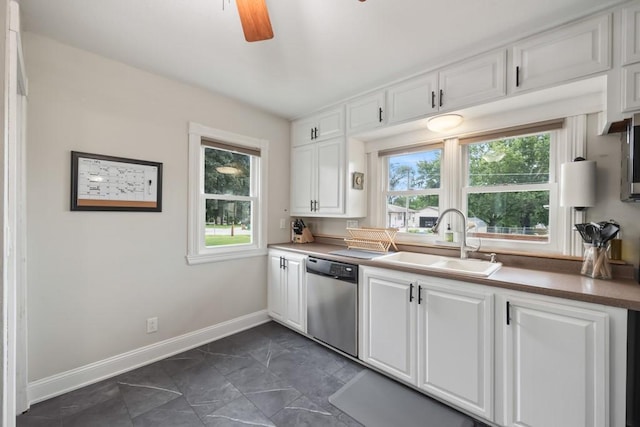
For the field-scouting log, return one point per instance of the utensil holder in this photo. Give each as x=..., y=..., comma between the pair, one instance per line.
x=595, y=262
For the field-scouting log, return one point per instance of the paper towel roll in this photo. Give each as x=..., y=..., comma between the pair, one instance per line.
x=578, y=184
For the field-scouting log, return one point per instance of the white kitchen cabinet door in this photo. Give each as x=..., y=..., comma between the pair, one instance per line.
x=556, y=367
x=388, y=323
x=412, y=99
x=631, y=87
x=330, y=124
x=321, y=126
x=455, y=344
x=330, y=176
x=286, y=289
x=318, y=179
x=295, y=295
x=303, y=178
x=471, y=82
x=275, y=286
x=631, y=34
x=303, y=131
x=366, y=113
x=562, y=55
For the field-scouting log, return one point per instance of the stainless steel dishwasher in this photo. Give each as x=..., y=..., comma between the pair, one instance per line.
x=332, y=303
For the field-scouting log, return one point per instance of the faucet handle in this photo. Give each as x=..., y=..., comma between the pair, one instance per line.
x=493, y=257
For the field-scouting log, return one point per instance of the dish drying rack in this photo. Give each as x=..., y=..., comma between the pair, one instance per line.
x=371, y=239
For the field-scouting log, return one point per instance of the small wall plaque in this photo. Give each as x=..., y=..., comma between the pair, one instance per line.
x=357, y=181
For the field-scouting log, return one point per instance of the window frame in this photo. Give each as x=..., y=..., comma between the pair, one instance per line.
x=386, y=191
x=553, y=244
x=197, y=251
x=571, y=142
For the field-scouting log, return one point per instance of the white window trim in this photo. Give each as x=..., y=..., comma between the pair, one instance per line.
x=197, y=252
x=385, y=192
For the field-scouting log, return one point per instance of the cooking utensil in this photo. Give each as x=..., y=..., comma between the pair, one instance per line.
x=583, y=232
x=609, y=231
x=598, y=233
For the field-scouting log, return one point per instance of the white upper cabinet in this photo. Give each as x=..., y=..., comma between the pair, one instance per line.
x=480, y=79
x=324, y=125
x=413, y=98
x=630, y=81
x=631, y=87
x=631, y=34
x=471, y=82
x=366, y=113
x=561, y=55
x=317, y=178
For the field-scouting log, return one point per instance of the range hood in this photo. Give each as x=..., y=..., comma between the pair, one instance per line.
x=630, y=174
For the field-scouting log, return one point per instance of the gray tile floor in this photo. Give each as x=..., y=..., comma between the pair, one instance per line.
x=265, y=376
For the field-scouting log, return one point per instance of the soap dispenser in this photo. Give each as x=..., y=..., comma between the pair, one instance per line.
x=448, y=235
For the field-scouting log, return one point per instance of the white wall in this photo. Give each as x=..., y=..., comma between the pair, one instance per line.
x=606, y=151
x=3, y=122
x=95, y=277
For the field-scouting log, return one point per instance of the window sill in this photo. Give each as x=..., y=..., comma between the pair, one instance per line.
x=219, y=257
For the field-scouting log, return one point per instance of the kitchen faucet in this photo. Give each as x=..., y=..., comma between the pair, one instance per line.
x=463, y=245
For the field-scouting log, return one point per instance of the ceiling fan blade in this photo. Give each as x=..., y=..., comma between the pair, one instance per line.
x=254, y=17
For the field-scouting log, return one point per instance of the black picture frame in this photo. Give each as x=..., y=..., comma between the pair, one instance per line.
x=109, y=183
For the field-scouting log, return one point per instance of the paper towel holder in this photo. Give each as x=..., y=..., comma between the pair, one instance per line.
x=578, y=191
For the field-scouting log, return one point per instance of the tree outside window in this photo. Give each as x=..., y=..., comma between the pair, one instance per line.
x=227, y=192
x=413, y=191
x=508, y=188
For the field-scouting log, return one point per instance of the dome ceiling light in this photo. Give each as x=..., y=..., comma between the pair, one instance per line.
x=444, y=123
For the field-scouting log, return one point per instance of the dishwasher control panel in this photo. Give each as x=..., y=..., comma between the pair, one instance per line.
x=338, y=270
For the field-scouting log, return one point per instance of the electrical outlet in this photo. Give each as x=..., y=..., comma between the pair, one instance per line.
x=283, y=223
x=352, y=223
x=152, y=325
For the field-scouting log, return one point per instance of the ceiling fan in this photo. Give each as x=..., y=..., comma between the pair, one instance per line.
x=254, y=17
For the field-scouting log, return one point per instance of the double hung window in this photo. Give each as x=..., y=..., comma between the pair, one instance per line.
x=227, y=181
x=503, y=181
x=508, y=187
x=412, y=191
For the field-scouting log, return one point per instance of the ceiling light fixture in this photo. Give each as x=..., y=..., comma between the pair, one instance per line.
x=444, y=123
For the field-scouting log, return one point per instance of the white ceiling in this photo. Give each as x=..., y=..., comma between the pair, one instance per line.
x=323, y=51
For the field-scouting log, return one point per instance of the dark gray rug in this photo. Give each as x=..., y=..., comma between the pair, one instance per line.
x=376, y=401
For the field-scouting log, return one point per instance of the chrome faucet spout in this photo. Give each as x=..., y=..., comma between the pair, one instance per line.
x=463, y=245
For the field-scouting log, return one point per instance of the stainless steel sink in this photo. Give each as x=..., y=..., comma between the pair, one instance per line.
x=467, y=267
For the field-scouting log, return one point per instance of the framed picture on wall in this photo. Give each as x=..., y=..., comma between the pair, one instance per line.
x=108, y=183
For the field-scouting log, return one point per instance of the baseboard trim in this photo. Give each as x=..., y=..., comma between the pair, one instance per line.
x=64, y=382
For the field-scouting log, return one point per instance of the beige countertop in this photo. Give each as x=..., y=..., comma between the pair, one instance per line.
x=623, y=293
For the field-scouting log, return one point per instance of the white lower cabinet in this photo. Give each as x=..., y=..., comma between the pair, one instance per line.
x=512, y=358
x=286, y=289
x=435, y=334
x=388, y=322
x=455, y=343
x=556, y=364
